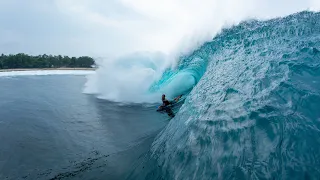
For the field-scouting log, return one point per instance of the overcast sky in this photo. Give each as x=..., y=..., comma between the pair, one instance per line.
x=103, y=27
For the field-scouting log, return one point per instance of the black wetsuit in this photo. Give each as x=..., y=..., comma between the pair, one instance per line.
x=167, y=109
x=166, y=102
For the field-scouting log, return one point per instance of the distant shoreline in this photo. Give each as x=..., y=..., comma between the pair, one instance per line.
x=42, y=69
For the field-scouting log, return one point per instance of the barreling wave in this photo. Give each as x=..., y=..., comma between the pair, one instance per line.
x=182, y=79
x=253, y=110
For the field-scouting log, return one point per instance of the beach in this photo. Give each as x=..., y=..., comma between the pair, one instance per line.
x=42, y=69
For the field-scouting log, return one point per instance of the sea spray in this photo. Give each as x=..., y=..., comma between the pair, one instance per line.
x=174, y=29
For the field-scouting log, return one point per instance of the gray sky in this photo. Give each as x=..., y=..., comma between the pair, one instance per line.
x=63, y=27
x=104, y=27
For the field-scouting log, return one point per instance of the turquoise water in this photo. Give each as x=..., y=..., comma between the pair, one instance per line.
x=253, y=108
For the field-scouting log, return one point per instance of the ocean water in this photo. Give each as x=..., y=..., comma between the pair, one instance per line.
x=49, y=129
x=251, y=111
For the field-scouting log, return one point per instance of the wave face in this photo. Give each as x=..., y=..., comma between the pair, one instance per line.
x=254, y=110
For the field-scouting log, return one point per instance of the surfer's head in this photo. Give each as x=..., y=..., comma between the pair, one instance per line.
x=163, y=97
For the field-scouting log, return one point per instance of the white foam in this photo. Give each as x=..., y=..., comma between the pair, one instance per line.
x=45, y=73
x=182, y=26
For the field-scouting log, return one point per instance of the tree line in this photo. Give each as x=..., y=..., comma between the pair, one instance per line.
x=44, y=61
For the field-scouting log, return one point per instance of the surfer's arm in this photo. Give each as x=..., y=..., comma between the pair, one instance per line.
x=177, y=98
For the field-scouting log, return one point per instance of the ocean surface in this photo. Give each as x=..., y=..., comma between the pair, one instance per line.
x=251, y=111
x=49, y=129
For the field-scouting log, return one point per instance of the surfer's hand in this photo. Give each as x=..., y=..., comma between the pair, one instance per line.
x=177, y=98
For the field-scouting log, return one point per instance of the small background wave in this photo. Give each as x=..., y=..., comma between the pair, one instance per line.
x=45, y=72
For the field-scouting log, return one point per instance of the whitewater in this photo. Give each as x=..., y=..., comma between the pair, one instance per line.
x=252, y=88
x=45, y=73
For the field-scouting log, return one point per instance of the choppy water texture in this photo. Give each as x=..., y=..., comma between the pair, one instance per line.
x=254, y=114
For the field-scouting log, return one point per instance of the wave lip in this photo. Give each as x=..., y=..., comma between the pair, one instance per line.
x=45, y=73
